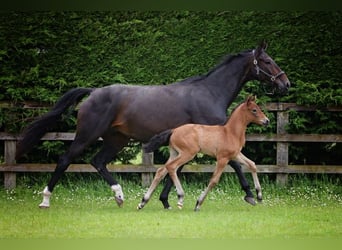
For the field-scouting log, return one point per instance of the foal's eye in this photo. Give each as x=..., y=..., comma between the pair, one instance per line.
x=254, y=111
x=268, y=62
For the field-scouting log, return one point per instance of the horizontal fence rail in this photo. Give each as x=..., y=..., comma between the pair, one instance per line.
x=147, y=168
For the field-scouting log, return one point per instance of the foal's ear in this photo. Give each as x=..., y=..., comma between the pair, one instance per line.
x=262, y=47
x=250, y=98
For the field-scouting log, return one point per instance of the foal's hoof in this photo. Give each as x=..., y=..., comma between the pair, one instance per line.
x=250, y=200
x=180, y=206
x=119, y=201
x=259, y=200
x=139, y=207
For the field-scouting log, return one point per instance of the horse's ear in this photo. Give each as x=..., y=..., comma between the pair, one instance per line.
x=263, y=44
x=262, y=47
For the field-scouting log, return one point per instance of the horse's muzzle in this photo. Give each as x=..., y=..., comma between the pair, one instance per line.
x=283, y=86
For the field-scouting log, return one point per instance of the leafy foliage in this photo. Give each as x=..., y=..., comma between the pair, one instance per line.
x=44, y=54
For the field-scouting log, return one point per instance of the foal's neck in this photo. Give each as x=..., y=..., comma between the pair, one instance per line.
x=237, y=124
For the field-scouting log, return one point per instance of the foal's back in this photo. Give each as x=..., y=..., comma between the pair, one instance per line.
x=208, y=139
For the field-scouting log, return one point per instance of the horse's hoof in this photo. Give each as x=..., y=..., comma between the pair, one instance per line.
x=259, y=200
x=180, y=206
x=165, y=204
x=119, y=201
x=139, y=207
x=250, y=200
x=197, y=209
x=168, y=208
x=42, y=206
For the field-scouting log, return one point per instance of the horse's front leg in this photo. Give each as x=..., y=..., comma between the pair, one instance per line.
x=251, y=165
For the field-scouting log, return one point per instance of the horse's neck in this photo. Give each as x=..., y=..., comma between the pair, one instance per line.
x=228, y=80
x=236, y=126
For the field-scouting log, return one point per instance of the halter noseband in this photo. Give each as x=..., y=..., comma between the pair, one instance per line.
x=258, y=70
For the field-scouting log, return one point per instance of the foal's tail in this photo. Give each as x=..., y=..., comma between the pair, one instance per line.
x=158, y=140
x=39, y=127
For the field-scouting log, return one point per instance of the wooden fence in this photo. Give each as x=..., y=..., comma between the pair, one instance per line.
x=147, y=168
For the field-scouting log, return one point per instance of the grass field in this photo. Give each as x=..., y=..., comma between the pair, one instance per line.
x=85, y=209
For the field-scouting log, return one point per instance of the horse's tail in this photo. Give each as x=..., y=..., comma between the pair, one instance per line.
x=39, y=127
x=158, y=140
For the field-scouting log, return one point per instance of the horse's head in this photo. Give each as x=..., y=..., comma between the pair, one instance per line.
x=268, y=71
x=255, y=114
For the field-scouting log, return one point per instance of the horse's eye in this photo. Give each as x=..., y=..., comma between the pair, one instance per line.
x=268, y=62
x=254, y=111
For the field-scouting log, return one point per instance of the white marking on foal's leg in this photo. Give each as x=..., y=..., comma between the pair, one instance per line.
x=46, y=198
x=119, y=196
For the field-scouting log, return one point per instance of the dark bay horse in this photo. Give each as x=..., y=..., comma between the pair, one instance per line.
x=224, y=142
x=119, y=113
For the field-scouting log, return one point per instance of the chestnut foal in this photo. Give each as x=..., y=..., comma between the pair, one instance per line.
x=222, y=142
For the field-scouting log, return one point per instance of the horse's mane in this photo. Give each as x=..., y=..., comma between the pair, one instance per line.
x=226, y=60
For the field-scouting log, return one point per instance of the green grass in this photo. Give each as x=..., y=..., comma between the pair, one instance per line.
x=85, y=209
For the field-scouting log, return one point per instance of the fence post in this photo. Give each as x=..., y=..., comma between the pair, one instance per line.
x=147, y=160
x=10, y=179
x=282, y=147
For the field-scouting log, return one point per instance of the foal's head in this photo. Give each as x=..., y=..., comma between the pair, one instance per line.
x=254, y=113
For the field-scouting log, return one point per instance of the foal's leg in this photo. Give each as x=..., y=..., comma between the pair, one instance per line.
x=221, y=163
x=164, y=195
x=160, y=174
x=112, y=144
x=172, y=166
x=243, y=182
x=251, y=165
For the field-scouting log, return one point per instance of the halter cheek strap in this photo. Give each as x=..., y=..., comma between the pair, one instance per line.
x=258, y=70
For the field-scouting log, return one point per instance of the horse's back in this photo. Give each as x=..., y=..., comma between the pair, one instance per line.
x=140, y=111
x=137, y=111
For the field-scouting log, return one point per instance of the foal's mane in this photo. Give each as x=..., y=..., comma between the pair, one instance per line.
x=230, y=115
x=226, y=60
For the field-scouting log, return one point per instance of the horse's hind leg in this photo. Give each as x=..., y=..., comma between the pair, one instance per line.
x=64, y=161
x=89, y=129
x=112, y=144
x=243, y=182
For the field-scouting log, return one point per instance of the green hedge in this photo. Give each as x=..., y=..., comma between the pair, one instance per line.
x=44, y=54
